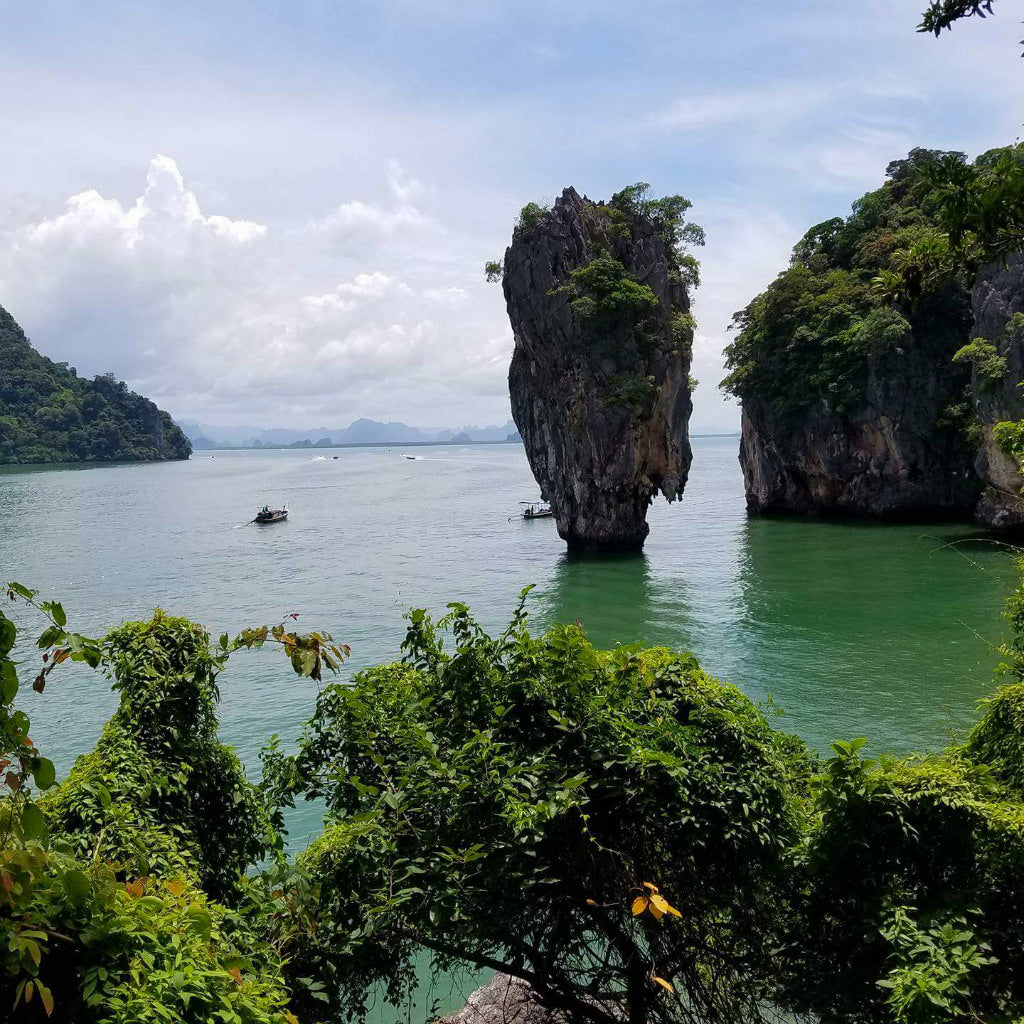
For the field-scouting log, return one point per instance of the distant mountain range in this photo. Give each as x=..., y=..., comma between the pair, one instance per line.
x=362, y=431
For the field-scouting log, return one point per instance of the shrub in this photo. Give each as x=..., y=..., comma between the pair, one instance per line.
x=538, y=805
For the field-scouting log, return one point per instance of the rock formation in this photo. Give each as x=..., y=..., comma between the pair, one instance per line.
x=503, y=1000
x=599, y=381
x=997, y=297
x=890, y=457
x=852, y=403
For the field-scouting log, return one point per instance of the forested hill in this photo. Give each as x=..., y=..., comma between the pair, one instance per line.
x=50, y=414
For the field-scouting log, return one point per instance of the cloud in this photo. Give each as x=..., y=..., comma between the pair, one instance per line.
x=403, y=187
x=215, y=318
x=358, y=224
x=754, y=106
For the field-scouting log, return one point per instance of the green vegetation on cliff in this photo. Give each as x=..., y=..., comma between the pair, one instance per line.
x=50, y=414
x=856, y=290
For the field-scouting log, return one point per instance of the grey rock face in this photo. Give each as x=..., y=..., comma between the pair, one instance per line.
x=599, y=455
x=891, y=458
x=504, y=1000
x=998, y=294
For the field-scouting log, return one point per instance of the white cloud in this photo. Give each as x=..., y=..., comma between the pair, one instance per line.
x=403, y=187
x=356, y=223
x=212, y=315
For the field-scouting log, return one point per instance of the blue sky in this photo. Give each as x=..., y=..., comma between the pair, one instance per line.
x=277, y=213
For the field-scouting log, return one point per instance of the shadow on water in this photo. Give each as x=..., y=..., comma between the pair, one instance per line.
x=612, y=596
x=884, y=632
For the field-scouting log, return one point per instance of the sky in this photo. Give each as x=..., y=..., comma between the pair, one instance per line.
x=278, y=214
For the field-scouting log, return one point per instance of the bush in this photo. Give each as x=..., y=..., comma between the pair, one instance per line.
x=160, y=789
x=538, y=805
x=102, y=916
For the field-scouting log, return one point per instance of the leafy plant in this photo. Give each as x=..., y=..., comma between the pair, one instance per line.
x=613, y=827
x=530, y=216
x=102, y=915
x=989, y=365
x=881, y=282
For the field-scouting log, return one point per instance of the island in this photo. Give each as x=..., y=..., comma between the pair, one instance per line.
x=49, y=414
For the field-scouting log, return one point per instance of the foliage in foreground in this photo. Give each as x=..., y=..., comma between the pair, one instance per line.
x=122, y=896
x=525, y=803
x=509, y=803
x=622, y=830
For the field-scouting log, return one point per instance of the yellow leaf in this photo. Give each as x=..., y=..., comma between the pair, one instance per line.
x=658, y=903
x=639, y=905
x=663, y=983
x=175, y=886
x=47, y=997
x=591, y=903
x=236, y=974
x=290, y=1017
x=672, y=910
x=656, y=913
x=648, y=885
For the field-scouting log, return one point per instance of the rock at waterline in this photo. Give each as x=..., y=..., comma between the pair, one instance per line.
x=998, y=304
x=504, y=1000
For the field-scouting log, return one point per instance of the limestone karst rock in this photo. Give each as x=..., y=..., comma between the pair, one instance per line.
x=889, y=458
x=852, y=403
x=998, y=304
x=597, y=295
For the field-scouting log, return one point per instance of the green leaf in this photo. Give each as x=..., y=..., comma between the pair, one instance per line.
x=50, y=636
x=44, y=773
x=8, y=682
x=77, y=885
x=33, y=824
x=8, y=634
x=200, y=921
x=57, y=611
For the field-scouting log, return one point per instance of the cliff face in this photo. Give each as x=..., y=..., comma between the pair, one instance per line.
x=891, y=456
x=852, y=403
x=599, y=379
x=997, y=296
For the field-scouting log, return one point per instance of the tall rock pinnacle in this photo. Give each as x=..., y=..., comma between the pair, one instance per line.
x=598, y=299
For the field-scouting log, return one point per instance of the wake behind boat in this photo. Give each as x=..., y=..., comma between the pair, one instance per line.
x=271, y=515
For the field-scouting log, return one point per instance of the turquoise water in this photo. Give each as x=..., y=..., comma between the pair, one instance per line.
x=853, y=629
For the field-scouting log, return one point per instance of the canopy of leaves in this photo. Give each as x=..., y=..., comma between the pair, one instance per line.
x=160, y=786
x=620, y=829
x=945, y=13
x=122, y=893
x=50, y=414
x=980, y=205
x=857, y=290
x=505, y=803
